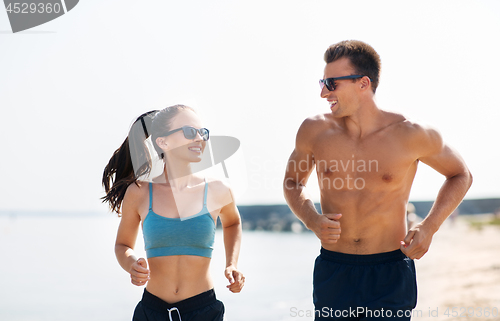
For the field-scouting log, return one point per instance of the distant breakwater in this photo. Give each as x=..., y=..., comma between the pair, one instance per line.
x=280, y=218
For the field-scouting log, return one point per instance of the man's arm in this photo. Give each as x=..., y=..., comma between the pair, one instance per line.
x=448, y=162
x=299, y=167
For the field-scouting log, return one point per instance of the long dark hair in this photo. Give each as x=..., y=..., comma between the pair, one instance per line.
x=133, y=159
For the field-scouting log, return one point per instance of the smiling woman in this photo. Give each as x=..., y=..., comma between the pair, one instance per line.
x=178, y=212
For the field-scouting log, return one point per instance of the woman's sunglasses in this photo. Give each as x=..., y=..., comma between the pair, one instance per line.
x=330, y=82
x=190, y=132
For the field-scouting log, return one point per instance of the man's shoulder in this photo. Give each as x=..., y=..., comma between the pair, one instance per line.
x=416, y=132
x=313, y=126
x=409, y=126
x=317, y=122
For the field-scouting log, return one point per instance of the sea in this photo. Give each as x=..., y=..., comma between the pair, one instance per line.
x=63, y=267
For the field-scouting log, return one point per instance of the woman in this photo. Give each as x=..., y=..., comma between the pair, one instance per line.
x=177, y=211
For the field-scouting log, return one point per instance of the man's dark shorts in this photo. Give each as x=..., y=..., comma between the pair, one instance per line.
x=380, y=286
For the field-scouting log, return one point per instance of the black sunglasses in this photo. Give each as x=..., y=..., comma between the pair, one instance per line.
x=190, y=132
x=330, y=82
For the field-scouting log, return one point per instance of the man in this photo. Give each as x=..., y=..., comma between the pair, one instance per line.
x=366, y=159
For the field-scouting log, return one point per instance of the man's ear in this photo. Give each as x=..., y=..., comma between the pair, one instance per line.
x=365, y=82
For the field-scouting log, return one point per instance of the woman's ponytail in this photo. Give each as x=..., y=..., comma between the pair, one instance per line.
x=130, y=161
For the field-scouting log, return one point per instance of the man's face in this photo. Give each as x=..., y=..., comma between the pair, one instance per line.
x=340, y=100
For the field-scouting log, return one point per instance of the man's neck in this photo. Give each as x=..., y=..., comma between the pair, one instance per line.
x=364, y=121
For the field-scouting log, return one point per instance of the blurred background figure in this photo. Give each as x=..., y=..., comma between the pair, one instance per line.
x=411, y=216
x=453, y=216
x=497, y=213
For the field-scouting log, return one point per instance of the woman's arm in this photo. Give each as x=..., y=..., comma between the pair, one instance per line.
x=127, y=235
x=231, y=226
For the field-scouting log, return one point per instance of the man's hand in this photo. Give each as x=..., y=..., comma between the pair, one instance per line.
x=417, y=242
x=327, y=228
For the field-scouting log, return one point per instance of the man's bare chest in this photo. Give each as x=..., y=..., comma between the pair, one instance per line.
x=344, y=164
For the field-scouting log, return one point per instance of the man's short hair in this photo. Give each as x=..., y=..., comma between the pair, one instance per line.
x=363, y=57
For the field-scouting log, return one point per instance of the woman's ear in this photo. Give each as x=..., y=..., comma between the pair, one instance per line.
x=160, y=141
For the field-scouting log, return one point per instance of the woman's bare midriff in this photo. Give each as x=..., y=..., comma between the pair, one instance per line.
x=176, y=278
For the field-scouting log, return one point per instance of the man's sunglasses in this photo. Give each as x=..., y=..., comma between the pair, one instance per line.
x=190, y=132
x=330, y=82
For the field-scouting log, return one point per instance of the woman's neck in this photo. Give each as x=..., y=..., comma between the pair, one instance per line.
x=178, y=176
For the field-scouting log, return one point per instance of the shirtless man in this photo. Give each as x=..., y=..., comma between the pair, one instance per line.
x=366, y=159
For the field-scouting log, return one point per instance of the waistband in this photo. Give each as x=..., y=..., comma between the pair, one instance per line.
x=190, y=304
x=362, y=259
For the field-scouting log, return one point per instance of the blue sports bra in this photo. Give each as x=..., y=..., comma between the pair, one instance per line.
x=165, y=236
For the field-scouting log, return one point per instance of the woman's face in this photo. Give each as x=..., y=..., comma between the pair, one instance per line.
x=179, y=147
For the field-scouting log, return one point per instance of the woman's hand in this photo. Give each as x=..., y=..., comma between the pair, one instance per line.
x=236, y=279
x=139, y=272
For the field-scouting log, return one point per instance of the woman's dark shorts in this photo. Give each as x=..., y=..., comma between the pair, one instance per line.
x=201, y=307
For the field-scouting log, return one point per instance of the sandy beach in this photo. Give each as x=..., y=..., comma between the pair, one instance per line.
x=459, y=278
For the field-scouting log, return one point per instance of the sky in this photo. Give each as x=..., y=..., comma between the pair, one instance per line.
x=70, y=88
